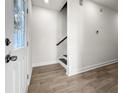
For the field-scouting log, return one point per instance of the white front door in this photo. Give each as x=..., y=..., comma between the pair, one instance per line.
x=15, y=66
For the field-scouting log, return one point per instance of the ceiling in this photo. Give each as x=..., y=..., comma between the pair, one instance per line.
x=113, y=4
x=52, y=4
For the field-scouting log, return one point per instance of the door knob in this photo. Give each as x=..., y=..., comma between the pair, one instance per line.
x=9, y=58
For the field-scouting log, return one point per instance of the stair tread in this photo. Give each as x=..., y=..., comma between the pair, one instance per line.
x=63, y=60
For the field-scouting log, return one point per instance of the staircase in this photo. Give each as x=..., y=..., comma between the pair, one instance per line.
x=64, y=59
x=62, y=54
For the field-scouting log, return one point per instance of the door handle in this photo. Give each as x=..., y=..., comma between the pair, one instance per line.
x=9, y=58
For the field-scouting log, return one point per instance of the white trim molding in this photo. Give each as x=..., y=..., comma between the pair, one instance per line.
x=43, y=63
x=74, y=71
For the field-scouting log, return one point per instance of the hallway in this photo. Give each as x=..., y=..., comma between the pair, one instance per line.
x=52, y=79
x=55, y=46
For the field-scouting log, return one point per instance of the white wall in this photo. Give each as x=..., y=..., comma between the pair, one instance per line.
x=43, y=29
x=86, y=49
x=48, y=27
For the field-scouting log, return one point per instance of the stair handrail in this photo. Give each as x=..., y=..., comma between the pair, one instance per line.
x=61, y=41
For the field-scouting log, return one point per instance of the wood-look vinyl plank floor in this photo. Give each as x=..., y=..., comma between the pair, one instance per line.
x=52, y=79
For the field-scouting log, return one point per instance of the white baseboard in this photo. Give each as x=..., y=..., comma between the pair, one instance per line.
x=34, y=64
x=85, y=69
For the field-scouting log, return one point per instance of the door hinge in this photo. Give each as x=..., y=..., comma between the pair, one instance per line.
x=27, y=76
x=81, y=2
x=27, y=43
x=27, y=10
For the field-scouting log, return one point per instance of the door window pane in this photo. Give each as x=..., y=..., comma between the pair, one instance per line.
x=19, y=24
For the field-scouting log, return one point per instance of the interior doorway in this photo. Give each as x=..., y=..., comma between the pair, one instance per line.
x=62, y=39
